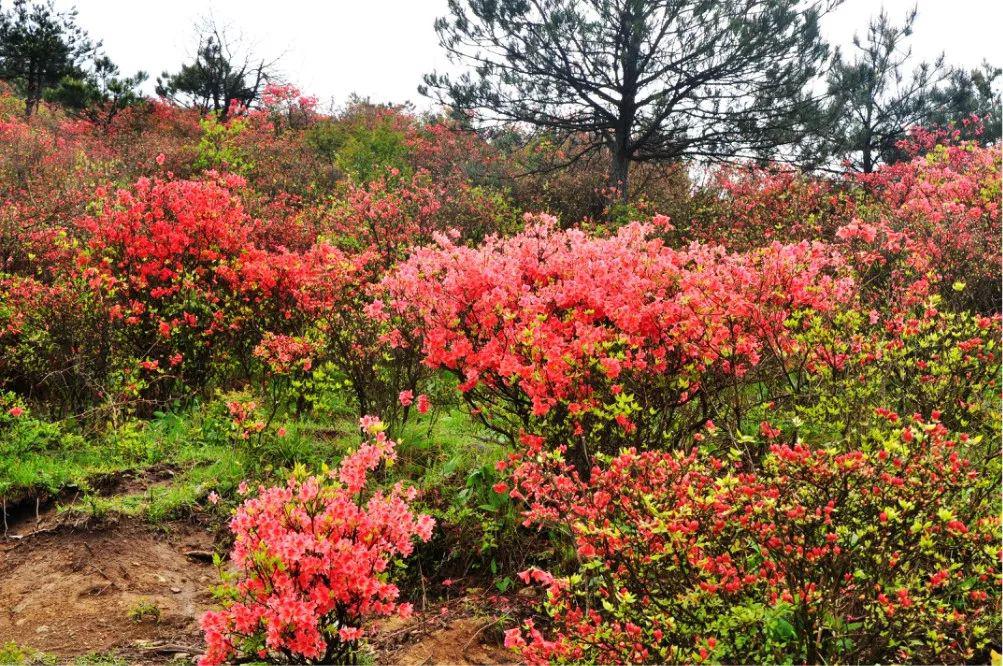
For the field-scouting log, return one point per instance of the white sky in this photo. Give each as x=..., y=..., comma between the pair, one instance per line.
x=381, y=48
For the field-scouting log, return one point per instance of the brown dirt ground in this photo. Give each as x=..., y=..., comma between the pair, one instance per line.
x=68, y=590
x=454, y=632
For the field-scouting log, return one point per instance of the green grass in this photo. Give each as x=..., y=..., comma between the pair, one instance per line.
x=199, y=447
x=39, y=458
x=12, y=653
x=44, y=458
x=202, y=469
x=431, y=452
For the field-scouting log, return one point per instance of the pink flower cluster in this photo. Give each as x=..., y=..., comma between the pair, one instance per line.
x=937, y=221
x=285, y=354
x=555, y=313
x=311, y=561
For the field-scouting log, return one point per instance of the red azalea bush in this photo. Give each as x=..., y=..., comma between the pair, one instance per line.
x=170, y=285
x=391, y=214
x=285, y=108
x=605, y=339
x=935, y=222
x=367, y=233
x=883, y=551
x=911, y=228
x=285, y=354
x=749, y=207
x=52, y=343
x=377, y=368
x=386, y=217
x=145, y=299
x=288, y=361
x=45, y=181
x=161, y=256
x=332, y=293
x=310, y=563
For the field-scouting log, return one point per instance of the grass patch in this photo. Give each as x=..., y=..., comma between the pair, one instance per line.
x=445, y=453
x=12, y=653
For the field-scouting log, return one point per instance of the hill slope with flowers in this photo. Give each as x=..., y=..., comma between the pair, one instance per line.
x=751, y=420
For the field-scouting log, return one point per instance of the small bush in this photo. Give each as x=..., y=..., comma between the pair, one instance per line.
x=311, y=561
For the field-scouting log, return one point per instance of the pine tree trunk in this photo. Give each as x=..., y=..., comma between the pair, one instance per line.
x=619, y=172
x=867, y=165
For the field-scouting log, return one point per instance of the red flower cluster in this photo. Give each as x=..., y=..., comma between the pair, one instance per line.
x=936, y=222
x=285, y=354
x=148, y=282
x=911, y=228
x=755, y=206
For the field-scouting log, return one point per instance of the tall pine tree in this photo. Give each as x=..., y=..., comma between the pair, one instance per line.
x=640, y=80
x=39, y=47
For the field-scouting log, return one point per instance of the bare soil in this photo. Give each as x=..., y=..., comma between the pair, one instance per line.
x=71, y=591
x=455, y=632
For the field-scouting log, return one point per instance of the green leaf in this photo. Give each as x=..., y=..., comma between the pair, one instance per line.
x=781, y=629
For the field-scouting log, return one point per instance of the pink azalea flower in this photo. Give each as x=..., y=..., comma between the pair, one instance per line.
x=406, y=398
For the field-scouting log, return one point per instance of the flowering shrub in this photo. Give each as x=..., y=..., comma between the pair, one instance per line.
x=331, y=291
x=887, y=552
x=286, y=108
x=752, y=207
x=387, y=218
x=936, y=223
x=923, y=359
x=310, y=562
x=160, y=259
x=43, y=184
x=50, y=339
x=371, y=229
x=911, y=229
x=605, y=339
x=148, y=297
x=288, y=362
x=284, y=354
x=168, y=283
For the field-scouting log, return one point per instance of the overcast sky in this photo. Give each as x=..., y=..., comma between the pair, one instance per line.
x=381, y=48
